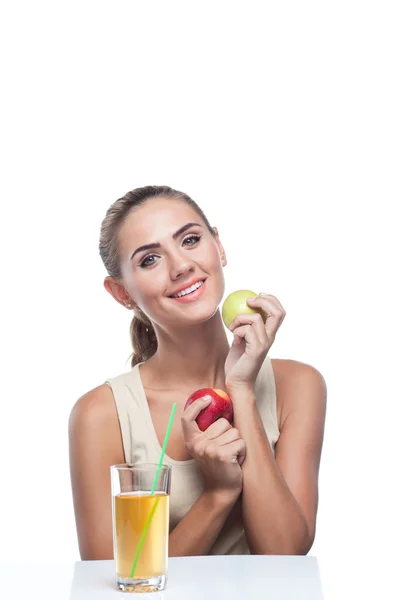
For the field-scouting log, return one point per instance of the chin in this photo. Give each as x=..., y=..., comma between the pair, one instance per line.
x=202, y=315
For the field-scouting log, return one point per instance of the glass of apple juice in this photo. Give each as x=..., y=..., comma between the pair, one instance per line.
x=140, y=512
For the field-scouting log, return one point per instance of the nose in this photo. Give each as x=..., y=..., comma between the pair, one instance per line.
x=180, y=265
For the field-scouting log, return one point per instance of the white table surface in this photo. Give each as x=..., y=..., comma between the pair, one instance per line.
x=189, y=578
x=345, y=577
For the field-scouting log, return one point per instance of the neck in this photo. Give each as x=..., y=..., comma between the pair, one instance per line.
x=190, y=358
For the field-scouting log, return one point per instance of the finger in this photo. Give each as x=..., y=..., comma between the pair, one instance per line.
x=228, y=436
x=241, y=455
x=269, y=304
x=248, y=334
x=231, y=452
x=216, y=429
x=276, y=313
x=249, y=318
x=190, y=414
x=274, y=299
x=255, y=320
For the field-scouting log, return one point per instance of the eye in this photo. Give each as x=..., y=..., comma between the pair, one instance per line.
x=144, y=262
x=194, y=237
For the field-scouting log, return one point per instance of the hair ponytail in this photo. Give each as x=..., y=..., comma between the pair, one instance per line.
x=143, y=338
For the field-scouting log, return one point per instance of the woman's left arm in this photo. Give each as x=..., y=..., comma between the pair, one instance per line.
x=280, y=494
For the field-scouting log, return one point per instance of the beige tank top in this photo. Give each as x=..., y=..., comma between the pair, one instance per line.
x=141, y=445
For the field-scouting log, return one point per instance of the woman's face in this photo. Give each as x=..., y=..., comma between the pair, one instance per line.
x=184, y=253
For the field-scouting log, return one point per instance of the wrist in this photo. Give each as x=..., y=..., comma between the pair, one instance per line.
x=221, y=498
x=239, y=393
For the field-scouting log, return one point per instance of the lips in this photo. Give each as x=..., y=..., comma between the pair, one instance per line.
x=186, y=286
x=184, y=290
x=192, y=297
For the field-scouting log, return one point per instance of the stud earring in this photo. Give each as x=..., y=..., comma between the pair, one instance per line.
x=129, y=306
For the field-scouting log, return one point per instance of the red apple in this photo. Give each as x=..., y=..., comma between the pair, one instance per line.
x=220, y=406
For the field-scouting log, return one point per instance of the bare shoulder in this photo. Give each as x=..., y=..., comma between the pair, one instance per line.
x=297, y=383
x=97, y=404
x=94, y=417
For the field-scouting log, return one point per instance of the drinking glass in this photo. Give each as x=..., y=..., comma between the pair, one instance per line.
x=140, y=511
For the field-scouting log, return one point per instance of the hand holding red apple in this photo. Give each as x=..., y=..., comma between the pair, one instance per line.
x=218, y=449
x=252, y=340
x=220, y=406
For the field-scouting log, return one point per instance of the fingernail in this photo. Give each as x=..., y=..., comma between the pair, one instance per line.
x=250, y=299
x=262, y=294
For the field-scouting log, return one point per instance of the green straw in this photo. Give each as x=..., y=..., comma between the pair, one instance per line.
x=149, y=518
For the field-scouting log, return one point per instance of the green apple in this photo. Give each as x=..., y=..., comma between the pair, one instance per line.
x=235, y=304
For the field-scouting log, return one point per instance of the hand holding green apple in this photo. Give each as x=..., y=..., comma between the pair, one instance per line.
x=253, y=336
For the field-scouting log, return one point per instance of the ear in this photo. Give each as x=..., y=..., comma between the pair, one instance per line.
x=118, y=292
x=220, y=247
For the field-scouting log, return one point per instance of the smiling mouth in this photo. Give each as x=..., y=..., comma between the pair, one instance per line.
x=198, y=286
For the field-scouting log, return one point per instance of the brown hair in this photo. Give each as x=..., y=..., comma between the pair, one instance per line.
x=143, y=336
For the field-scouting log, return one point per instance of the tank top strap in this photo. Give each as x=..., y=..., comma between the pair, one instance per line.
x=265, y=390
x=133, y=418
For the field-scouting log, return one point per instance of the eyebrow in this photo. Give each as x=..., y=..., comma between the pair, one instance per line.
x=158, y=245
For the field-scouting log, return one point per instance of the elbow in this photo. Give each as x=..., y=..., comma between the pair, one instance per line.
x=93, y=551
x=96, y=555
x=291, y=547
x=304, y=545
x=300, y=550
x=303, y=541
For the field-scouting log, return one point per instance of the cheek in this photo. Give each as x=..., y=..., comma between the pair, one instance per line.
x=153, y=287
x=215, y=268
x=146, y=287
x=211, y=256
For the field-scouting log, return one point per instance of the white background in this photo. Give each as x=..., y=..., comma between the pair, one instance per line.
x=282, y=121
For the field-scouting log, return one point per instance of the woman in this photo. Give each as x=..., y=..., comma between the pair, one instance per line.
x=247, y=488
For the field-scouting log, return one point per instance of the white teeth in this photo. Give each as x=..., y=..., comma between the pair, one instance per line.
x=195, y=286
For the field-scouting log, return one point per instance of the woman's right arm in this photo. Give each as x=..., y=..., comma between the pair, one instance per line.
x=95, y=443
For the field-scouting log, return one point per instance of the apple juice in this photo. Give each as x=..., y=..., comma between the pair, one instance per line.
x=132, y=510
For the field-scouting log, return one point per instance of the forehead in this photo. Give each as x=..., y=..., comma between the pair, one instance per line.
x=156, y=219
